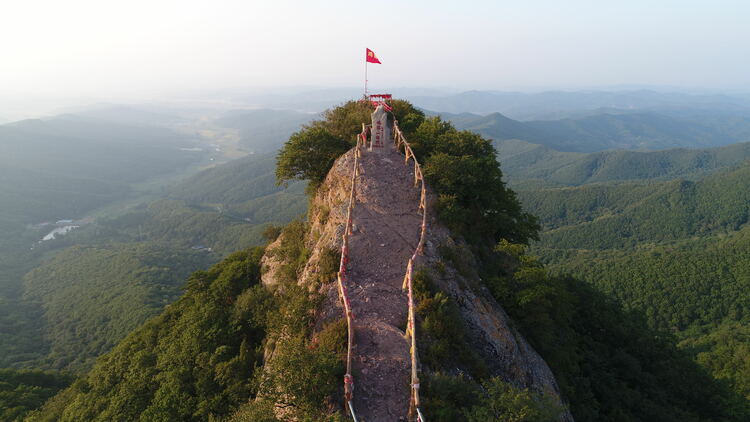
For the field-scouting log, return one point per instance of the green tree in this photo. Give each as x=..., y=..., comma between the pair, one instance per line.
x=308, y=155
x=473, y=199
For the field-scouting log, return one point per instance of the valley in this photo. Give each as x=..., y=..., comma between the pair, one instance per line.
x=661, y=233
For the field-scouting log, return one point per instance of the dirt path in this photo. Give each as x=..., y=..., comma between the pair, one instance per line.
x=386, y=227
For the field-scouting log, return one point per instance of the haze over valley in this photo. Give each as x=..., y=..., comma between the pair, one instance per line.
x=201, y=220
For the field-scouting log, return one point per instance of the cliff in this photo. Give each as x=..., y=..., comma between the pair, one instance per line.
x=386, y=223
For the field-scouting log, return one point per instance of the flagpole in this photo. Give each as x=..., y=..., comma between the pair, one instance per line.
x=365, y=75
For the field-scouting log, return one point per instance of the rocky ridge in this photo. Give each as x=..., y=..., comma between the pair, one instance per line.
x=386, y=223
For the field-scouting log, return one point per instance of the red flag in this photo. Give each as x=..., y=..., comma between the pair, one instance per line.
x=371, y=57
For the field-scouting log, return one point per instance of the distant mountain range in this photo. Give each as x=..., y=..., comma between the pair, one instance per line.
x=531, y=165
x=634, y=131
x=562, y=104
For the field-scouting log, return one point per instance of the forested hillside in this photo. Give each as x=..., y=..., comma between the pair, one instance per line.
x=199, y=359
x=94, y=296
x=530, y=166
x=262, y=130
x=604, y=216
x=632, y=130
x=245, y=187
x=64, y=167
x=194, y=360
x=676, y=251
x=23, y=391
x=67, y=300
x=113, y=274
x=85, y=291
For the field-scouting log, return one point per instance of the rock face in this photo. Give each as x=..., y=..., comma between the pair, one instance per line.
x=386, y=229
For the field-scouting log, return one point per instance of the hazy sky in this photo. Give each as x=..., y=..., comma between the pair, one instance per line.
x=142, y=47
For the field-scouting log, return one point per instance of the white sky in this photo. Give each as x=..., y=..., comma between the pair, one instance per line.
x=77, y=47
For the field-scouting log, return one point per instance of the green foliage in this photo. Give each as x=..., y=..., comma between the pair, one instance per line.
x=260, y=410
x=608, y=363
x=528, y=166
x=451, y=398
x=26, y=390
x=502, y=401
x=445, y=397
x=302, y=374
x=328, y=263
x=345, y=121
x=600, y=216
x=192, y=362
x=724, y=351
x=460, y=166
x=271, y=232
x=674, y=251
x=302, y=377
x=441, y=331
x=291, y=252
x=119, y=287
x=472, y=197
x=308, y=155
x=533, y=298
x=112, y=274
x=700, y=281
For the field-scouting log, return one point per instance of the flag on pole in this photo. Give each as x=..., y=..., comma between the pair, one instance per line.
x=371, y=57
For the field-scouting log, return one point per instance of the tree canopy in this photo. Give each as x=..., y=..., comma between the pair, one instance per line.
x=460, y=165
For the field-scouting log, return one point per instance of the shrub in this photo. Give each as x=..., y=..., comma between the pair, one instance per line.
x=500, y=401
x=442, y=334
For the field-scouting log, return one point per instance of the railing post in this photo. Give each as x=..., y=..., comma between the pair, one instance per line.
x=341, y=278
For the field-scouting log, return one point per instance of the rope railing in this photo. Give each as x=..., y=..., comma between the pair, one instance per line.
x=400, y=140
x=342, y=277
x=362, y=143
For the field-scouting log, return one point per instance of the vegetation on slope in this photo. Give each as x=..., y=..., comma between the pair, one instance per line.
x=93, y=297
x=608, y=362
x=600, y=216
x=24, y=391
x=640, y=130
x=610, y=367
x=197, y=360
x=457, y=382
x=301, y=379
x=460, y=165
x=262, y=130
x=677, y=252
x=113, y=274
x=695, y=288
x=194, y=360
x=529, y=165
x=85, y=164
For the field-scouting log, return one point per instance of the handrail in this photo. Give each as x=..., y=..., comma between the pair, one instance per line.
x=399, y=140
x=341, y=277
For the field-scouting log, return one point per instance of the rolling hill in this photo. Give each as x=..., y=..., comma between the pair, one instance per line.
x=529, y=165
x=264, y=130
x=631, y=130
x=605, y=217
x=550, y=105
x=67, y=300
x=676, y=251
